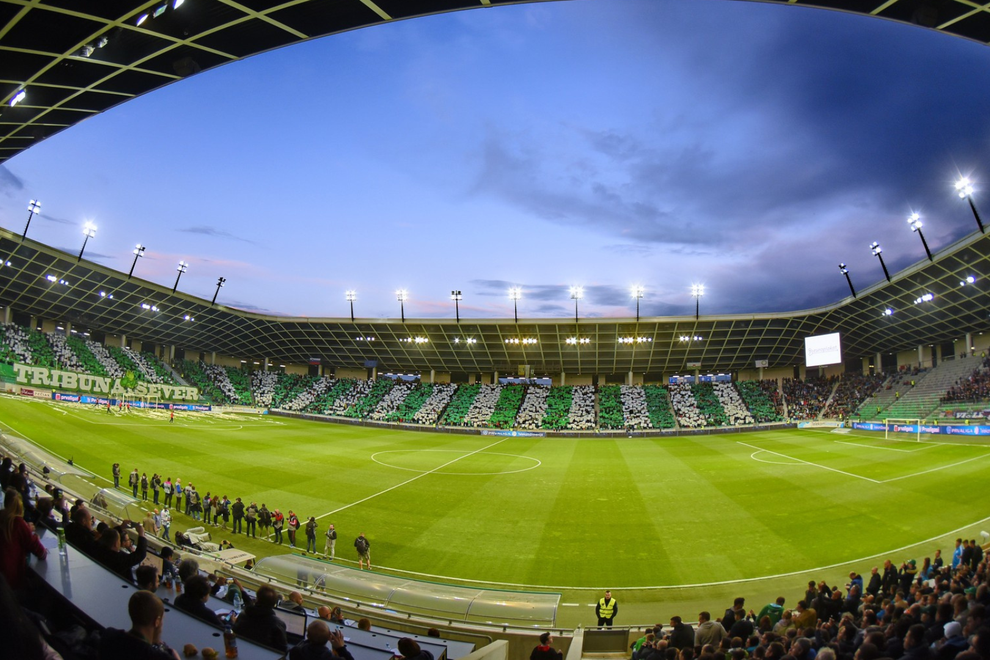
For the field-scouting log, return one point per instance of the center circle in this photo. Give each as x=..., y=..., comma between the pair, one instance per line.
x=479, y=458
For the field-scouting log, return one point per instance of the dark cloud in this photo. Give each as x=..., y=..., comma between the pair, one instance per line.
x=10, y=182
x=51, y=218
x=249, y=307
x=89, y=254
x=215, y=232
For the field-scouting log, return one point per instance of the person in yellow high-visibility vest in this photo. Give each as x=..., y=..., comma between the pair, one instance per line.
x=606, y=609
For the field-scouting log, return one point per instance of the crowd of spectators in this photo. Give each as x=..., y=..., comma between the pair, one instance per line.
x=937, y=611
x=533, y=408
x=582, y=412
x=263, y=385
x=973, y=388
x=434, y=406
x=806, y=398
x=391, y=402
x=736, y=411
x=483, y=406
x=853, y=390
x=686, y=407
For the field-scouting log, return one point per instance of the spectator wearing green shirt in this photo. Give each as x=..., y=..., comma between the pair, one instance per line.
x=772, y=610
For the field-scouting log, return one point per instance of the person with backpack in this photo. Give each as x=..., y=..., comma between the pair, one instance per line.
x=328, y=548
x=292, y=524
x=167, y=490
x=363, y=547
x=311, y=526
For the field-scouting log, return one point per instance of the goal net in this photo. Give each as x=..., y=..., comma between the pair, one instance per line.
x=903, y=428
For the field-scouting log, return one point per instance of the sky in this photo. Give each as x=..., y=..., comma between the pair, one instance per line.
x=745, y=146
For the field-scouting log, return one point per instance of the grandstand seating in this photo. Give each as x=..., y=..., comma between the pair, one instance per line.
x=610, y=408
x=806, y=399
x=110, y=366
x=735, y=409
x=436, y=404
x=930, y=386
x=972, y=388
x=367, y=404
x=64, y=355
x=460, y=405
x=686, y=407
x=391, y=401
x=582, y=412
x=558, y=408
x=349, y=395
x=507, y=407
x=483, y=406
x=533, y=408
x=852, y=391
x=263, y=384
x=15, y=344
x=412, y=399
x=303, y=394
x=659, y=408
x=759, y=401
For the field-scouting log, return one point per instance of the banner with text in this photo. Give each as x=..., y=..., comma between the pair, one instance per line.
x=941, y=429
x=128, y=386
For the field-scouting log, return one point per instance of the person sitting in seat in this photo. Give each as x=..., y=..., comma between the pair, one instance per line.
x=193, y=600
x=259, y=623
x=144, y=640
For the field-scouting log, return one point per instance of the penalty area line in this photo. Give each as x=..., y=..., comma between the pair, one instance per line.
x=823, y=467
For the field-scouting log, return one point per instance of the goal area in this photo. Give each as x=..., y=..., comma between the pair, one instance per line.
x=895, y=427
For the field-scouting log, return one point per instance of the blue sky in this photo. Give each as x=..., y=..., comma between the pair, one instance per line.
x=746, y=146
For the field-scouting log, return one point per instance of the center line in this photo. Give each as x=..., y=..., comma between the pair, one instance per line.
x=409, y=481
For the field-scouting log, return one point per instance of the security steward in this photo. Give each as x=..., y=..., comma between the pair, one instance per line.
x=606, y=609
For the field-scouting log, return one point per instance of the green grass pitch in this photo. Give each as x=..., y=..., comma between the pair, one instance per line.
x=559, y=513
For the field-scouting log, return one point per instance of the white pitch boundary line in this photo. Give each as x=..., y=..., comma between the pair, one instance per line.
x=823, y=467
x=906, y=451
x=62, y=458
x=698, y=585
x=935, y=469
x=760, y=460
x=409, y=481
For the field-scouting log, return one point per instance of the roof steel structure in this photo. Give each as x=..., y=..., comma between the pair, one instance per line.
x=62, y=61
x=47, y=283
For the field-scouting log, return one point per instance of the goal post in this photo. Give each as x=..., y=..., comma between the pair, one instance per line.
x=892, y=432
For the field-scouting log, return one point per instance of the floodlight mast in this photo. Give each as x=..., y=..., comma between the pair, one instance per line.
x=845, y=271
x=878, y=253
x=456, y=296
x=577, y=292
x=914, y=221
x=697, y=290
x=964, y=187
x=138, y=253
x=89, y=231
x=637, y=293
x=220, y=282
x=182, y=267
x=34, y=206
x=402, y=295
x=515, y=293
x=351, y=296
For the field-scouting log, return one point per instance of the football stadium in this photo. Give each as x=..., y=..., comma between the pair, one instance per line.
x=457, y=486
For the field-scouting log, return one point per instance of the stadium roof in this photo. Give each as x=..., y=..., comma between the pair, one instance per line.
x=48, y=283
x=62, y=61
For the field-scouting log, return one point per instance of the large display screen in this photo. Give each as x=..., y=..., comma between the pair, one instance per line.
x=822, y=349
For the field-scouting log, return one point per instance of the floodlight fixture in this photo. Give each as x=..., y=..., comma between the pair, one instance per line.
x=177, y=3
x=456, y=296
x=887, y=312
x=402, y=296
x=637, y=293
x=220, y=282
x=515, y=294
x=34, y=206
x=914, y=221
x=138, y=253
x=878, y=253
x=577, y=292
x=351, y=296
x=969, y=280
x=181, y=268
x=965, y=190
x=845, y=271
x=697, y=290
x=89, y=231
x=141, y=19
x=17, y=98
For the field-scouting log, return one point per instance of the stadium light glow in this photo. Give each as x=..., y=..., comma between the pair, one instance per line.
x=697, y=290
x=969, y=280
x=141, y=19
x=637, y=292
x=177, y=3
x=34, y=206
x=138, y=253
x=188, y=318
x=89, y=231
x=965, y=190
x=220, y=282
x=402, y=296
x=914, y=221
x=149, y=307
x=351, y=296
x=159, y=11
x=689, y=338
x=578, y=340
x=887, y=312
x=878, y=253
x=634, y=340
x=51, y=278
x=927, y=297
x=515, y=294
x=456, y=296
x=577, y=292
x=181, y=268
x=17, y=98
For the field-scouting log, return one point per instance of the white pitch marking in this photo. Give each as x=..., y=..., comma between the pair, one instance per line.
x=753, y=456
x=823, y=467
x=935, y=469
x=906, y=451
x=409, y=481
x=456, y=474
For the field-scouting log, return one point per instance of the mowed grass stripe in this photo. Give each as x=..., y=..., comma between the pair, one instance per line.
x=679, y=510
